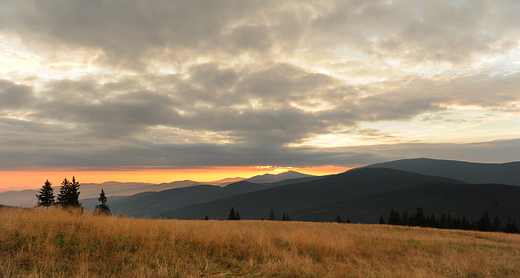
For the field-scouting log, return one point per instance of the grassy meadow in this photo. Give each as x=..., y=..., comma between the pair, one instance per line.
x=57, y=243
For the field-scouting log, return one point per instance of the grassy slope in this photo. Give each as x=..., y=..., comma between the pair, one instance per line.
x=56, y=243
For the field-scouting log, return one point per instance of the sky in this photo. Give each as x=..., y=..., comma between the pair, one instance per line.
x=157, y=90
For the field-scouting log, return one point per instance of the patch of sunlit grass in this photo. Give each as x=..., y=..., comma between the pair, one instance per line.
x=57, y=243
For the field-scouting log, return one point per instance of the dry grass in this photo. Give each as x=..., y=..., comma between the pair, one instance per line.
x=56, y=243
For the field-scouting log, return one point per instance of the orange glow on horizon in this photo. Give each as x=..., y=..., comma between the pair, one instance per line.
x=23, y=179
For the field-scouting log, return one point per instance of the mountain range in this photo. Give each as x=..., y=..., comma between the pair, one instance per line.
x=112, y=188
x=504, y=173
x=288, y=198
x=363, y=194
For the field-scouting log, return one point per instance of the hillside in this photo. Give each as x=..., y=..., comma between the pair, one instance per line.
x=148, y=204
x=286, y=198
x=458, y=200
x=56, y=243
x=504, y=173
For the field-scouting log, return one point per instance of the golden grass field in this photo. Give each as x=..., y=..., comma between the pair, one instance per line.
x=58, y=243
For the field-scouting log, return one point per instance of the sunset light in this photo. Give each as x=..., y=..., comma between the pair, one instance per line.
x=20, y=180
x=259, y=138
x=165, y=91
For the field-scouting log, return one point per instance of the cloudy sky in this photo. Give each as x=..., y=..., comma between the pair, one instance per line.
x=161, y=85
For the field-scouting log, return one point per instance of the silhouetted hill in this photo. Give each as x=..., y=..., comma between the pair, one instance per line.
x=149, y=204
x=286, y=198
x=458, y=200
x=272, y=178
x=90, y=191
x=505, y=173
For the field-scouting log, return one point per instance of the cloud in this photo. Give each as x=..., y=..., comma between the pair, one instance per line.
x=454, y=32
x=134, y=34
x=13, y=96
x=239, y=82
x=274, y=105
x=40, y=148
x=127, y=32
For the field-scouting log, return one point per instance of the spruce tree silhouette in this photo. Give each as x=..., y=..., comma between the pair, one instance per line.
x=102, y=209
x=46, y=196
x=232, y=215
x=339, y=219
x=271, y=215
x=69, y=194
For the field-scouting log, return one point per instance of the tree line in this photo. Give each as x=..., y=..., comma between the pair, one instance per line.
x=235, y=215
x=68, y=197
x=420, y=219
x=445, y=221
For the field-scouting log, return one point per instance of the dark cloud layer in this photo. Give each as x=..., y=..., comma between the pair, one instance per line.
x=247, y=81
x=263, y=106
x=95, y=121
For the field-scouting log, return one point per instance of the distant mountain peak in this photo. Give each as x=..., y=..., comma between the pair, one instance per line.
x=270, y=178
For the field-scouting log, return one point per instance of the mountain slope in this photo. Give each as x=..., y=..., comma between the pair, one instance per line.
x=458, y=200
x=149, y=204
x=330, y=189
x=505, y=173
x=146, y=204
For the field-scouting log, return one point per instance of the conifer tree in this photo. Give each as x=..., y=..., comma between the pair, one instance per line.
x=103, y=207
x=431, y=221
x=442, y=222
x=419, y=218
x=458, y=224
x=232, y=215
x=497, y=226
x=395, y=218
x=339, y=219
x=484, y=223
x=62, y=196
x=381, y=220
x=46, y=196
x=271, y=215
x=449, y=222
x=511, y=227
x=238, y=216
x=348, y=220
x=405, y=221
x=69, y=194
